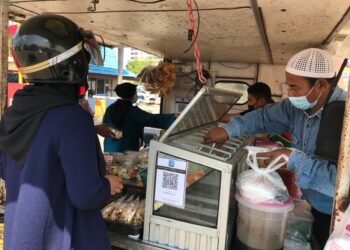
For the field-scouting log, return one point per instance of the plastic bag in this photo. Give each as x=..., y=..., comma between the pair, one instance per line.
x=158, y=80
x=294, y=243
x=340, y=238
x=300, y=220
x=262, y=185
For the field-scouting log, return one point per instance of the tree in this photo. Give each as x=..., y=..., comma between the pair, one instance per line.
x=137, y=65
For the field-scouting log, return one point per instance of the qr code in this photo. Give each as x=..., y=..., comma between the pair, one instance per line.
x=170, y=180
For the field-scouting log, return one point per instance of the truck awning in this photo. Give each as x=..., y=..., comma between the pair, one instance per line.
x=102, y=70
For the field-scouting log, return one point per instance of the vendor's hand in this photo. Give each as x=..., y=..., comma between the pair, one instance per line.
x=104, y=130
x=274, y=154
x=116, y=184
x=226, y=118
x=216, y=135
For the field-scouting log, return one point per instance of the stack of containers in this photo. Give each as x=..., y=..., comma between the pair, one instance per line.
x=263, y=206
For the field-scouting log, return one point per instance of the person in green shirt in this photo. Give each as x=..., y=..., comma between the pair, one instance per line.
x=130, y=120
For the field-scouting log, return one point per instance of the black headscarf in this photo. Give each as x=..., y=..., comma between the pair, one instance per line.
x=121, y=108
x=21, y=121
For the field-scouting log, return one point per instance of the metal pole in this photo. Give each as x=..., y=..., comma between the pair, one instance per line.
x=4, y=10
x=342, y=188
x=261, y=27
x=120, y=64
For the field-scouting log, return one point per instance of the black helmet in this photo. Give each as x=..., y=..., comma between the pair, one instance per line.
x=49, y=48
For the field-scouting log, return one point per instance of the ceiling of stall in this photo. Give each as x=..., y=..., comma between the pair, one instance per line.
x=229, y=30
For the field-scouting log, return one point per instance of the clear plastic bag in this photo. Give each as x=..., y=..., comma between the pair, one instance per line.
x=158, y=80
x=262, y=185
x=340, y=238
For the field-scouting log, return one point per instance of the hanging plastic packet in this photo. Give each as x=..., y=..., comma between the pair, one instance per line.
x=262, y=185
x=158, y=79
x=340, y=238
x=91, y=45
x=148, y=75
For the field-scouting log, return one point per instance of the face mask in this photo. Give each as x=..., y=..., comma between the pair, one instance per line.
x=301, y=102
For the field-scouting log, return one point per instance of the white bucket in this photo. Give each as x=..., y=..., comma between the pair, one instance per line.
x=262, y=226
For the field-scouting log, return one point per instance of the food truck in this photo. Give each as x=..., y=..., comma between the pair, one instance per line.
x=218, y=49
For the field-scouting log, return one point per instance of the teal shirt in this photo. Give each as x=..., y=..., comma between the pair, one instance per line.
x=133, y=127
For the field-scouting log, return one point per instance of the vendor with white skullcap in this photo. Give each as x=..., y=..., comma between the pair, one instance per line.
x=309, y=75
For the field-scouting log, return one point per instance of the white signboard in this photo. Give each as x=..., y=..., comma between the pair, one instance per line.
x=171, y=182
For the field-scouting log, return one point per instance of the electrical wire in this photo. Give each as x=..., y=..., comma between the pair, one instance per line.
x=189, y=92
x=188, y=75
x=198, y=25
x=232, y=67
x=153, y=2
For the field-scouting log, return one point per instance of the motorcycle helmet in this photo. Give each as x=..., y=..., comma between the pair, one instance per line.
x=51, y=49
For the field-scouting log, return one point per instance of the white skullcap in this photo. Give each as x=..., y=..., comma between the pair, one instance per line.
x=315, y=63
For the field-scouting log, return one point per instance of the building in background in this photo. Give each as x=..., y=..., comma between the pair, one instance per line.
x=344, y=80
x=131, y=54
x=103, y=79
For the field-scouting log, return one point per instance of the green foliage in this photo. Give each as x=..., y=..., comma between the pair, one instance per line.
x=137, y=65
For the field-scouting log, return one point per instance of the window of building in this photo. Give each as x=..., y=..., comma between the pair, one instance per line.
x=100, y=86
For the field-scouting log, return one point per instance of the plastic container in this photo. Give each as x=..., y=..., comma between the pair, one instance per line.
x=261, y=226
x=300, y=220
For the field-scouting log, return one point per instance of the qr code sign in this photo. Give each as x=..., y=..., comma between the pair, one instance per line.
x=170, y=180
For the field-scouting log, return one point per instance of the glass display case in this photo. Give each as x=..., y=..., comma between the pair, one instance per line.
x=190, y=188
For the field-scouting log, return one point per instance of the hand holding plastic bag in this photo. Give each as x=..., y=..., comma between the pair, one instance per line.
x=262, y=185
x=340, y=238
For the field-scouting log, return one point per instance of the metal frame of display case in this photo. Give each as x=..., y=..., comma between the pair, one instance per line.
x=209, y=238
x=183, y=140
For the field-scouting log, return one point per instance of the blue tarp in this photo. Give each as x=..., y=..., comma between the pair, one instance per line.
x=110, y=66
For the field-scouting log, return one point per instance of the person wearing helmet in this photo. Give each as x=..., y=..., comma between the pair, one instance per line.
x=49, y=153
x=130, y=120
x=310, y=76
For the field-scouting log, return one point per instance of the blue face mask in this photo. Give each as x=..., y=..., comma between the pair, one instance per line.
x=301, y=102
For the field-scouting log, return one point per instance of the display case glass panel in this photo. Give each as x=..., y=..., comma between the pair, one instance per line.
x=200, y=193
x=209, y=106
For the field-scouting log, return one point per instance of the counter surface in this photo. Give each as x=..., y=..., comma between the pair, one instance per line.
x=125, y=242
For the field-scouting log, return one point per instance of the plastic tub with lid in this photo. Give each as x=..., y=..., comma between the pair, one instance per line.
x=261, y=226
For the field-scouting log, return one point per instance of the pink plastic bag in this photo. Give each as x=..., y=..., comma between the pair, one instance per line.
x=340, y=238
